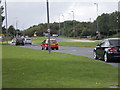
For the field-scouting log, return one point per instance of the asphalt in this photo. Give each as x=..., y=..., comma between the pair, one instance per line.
x=80, y=51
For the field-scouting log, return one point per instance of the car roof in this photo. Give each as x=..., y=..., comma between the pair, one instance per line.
x=112, y=39
x=51, y=39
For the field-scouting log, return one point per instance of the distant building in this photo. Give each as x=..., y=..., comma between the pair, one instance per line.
x=119, y=6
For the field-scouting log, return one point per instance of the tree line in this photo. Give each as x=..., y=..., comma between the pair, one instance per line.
x=108, y=24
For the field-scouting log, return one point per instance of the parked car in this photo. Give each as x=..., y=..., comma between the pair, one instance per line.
x=55, y=35
x=108, y=50
x=13, y=40
x=28, y=41
x=53, y=44
x=19, y=41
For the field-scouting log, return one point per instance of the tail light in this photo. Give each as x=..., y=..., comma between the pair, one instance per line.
x=46, y=44
x=56, y=44
x=112, y=49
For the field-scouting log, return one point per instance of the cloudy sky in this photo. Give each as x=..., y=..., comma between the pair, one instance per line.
x=23, y=14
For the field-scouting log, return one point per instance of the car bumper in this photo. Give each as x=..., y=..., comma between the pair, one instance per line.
x=114, y=56
x=52, y=46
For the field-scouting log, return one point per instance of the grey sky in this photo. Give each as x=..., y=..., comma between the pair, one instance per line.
x=27, y=13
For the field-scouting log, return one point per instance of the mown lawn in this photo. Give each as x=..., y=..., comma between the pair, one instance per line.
x=38, y=40
x=28, y=68
x=78, y=44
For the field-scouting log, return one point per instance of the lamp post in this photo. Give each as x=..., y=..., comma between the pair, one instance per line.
x=17, y=28
x=48, y=27
x=97, y=14
x=73, y=23
x=97, y=31
x=0, y=22
x=59, y=26
x=6, y=21
x=63, y=21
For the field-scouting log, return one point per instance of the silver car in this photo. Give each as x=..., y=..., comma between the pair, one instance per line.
x=28, y=41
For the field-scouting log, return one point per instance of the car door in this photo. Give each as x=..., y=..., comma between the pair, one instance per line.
x=101, y=48
x=43, y=44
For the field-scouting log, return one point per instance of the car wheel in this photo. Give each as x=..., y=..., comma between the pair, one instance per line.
x=57, y=48
x=52, y=48
x=42, y=48
x=106, y=58
x=95, y=55
x=46, y=48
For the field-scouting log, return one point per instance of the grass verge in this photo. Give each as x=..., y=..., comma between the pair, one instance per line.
x=38, y=40
x=78, y=44
x=28, y=68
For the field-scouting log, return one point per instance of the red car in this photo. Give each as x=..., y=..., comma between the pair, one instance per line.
x=53, y=44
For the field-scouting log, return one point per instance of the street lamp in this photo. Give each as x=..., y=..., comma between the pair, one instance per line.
x=63, y=21
x=17, y=28
x=59, y=26
x=6, y=21
x=97, y=32
x=48, y=26
x=97, y=15
x=73, y=23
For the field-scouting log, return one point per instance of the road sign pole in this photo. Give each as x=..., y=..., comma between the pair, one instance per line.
x=48, y=26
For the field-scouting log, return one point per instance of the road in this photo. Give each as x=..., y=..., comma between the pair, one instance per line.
x=81, y=51
x=73, y=40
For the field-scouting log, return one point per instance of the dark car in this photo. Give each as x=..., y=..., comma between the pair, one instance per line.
x=108, y=50
x=19, y=41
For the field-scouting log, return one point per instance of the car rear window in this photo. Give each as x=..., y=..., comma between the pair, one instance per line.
x=19, y=39
x=28, y=39
x=53, y=41
x=115, y=42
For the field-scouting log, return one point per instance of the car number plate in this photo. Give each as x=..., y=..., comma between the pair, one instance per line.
x=52, y=44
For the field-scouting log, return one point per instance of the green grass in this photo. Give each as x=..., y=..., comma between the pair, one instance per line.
x=79, y=44
x=38, y=40
x=115, y=36
x=28, y=68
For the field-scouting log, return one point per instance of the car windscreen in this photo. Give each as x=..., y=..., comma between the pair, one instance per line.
x=115, y=42
x=53, y=41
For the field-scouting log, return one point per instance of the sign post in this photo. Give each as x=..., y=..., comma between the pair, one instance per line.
x=48, y=26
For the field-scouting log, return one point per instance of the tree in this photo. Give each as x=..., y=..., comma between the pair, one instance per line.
x=108, y=24
x=11, y=31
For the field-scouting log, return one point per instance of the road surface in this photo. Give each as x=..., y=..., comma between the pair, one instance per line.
x=81, y=51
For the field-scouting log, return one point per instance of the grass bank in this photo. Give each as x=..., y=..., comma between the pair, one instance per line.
x=78, y=44
x=38, y=40
x=28, y=68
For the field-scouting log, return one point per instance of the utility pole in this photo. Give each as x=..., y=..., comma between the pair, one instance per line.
x=59, y=26
x=64, y=23
x=0, y=21
x=48, y=27
x=6, y=21
x=73, y=23
x=97, y=31
x=0, y=47
x=97, y=15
